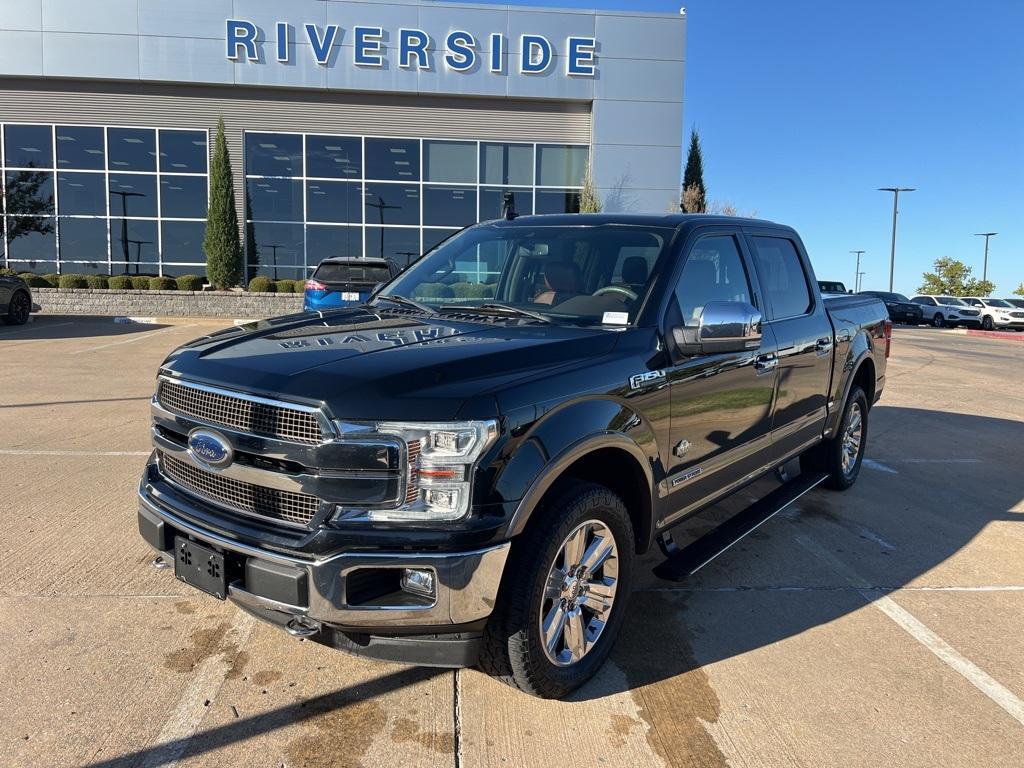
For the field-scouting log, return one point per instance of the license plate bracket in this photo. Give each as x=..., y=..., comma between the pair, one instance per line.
x=200, y=567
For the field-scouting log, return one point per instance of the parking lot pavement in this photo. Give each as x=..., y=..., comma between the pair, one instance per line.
x=876, y=627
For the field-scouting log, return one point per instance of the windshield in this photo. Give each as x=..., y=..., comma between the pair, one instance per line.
x=569, y=274
x=949, y=301
x=826, y=287
x=885, y=296
x=997, y=303
x=351, y=273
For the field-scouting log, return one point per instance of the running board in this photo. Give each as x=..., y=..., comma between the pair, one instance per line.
x=683, y=563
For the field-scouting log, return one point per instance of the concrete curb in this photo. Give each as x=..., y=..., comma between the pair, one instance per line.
x=1002, y=335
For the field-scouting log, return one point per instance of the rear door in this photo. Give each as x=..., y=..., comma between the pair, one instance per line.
x=721, y=402
x=803, y=334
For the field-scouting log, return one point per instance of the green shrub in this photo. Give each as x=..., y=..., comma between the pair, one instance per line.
x=36, y=281
x=140, y=282
x=262, y=285
x=73, y=281
x=284, y=286
x=96, y=281
x=473, y=290
x=7, y=272
x=434, y=291
x=190, y=283
x=162, y=284
x=52, y=278
x=120, y=282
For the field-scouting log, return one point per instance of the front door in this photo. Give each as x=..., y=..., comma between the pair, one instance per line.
x=720, y=403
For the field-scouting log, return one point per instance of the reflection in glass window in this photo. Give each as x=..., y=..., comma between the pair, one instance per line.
x=131, y=149
x=434, y=237
x=275, y=245
x=30, y=192
x=183, y=151
x=82, y=194
x=506, y=164
x=273, y=154
x=133, y=242
x=132, y=195
x=324, y=242
x=558, y=201
x=334, y=201
x=334, y=157
x=561, y=166
x=392, y=203
x=98, y=267
x=83, y=240
x=393, y=159
x=402, y=245
x=450, y=161
x=182, y=241
x=28, y=146
x=39, y=267
x=492, y=200
x=177, y=270
x=274, y=199
x=183, y=197
x=80, y=147
x=449, y=206
x=31, y=238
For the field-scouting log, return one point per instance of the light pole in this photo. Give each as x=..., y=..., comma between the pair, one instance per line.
x=860, y=278
x=856, y=275
x=124, y=222
x=986, y=235
x=895, y=209
x=381, y=206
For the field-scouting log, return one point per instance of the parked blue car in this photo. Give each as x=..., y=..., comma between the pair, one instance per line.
x=342, y=282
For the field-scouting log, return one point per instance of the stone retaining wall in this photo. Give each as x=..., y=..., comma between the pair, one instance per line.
x=234, y=304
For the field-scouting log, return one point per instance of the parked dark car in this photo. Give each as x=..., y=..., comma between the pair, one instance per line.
x=901, y=309
x=343, y=282
x=474, y=482
x=15, y=300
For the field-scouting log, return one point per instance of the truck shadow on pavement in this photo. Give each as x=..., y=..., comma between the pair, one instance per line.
x=49, y=327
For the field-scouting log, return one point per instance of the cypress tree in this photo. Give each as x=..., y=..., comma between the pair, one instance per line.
x=221, y=245
x=694, y=198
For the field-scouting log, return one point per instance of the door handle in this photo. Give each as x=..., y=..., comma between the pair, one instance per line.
x=821, y=346
x=766, y=363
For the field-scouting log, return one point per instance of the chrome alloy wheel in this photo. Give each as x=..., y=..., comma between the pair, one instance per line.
x=579, y=593
x=852, y=437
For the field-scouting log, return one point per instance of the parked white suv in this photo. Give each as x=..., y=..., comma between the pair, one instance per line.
x=943, y=311
x=997, y=313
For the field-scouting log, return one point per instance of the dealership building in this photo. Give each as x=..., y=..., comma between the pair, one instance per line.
x=354, y=128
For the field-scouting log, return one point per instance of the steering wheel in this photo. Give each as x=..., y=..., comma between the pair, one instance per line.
x=631, y=295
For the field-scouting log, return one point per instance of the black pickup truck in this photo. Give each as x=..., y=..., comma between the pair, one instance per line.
x=451, y=481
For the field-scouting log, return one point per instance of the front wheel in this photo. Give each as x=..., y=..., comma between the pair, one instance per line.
x=987, y=324
x=938, y=320
x=18, y=309
x=564, y=594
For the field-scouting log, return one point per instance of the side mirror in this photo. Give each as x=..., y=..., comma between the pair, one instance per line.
x=725, y=326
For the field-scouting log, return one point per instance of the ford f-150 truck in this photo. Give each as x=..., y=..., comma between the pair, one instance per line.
x=450, y=481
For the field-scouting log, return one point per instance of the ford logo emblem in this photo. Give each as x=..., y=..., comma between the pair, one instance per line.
x=209, y=448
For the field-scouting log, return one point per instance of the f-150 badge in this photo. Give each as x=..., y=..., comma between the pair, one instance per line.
x=637, y=381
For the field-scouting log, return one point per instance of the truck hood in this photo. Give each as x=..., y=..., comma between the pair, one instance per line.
x=373, y=365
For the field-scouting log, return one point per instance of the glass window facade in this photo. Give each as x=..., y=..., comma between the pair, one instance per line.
x=314, y=196
x=103, y=199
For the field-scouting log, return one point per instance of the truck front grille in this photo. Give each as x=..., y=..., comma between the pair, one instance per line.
x=273, y=504
x=239, y=413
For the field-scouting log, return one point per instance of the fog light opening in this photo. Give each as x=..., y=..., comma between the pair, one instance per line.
x=418, y=581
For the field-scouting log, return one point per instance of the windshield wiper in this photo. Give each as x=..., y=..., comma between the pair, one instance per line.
x=500, y=308
x=405, y=302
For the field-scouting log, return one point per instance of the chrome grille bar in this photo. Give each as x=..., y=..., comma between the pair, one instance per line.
x=282, y=421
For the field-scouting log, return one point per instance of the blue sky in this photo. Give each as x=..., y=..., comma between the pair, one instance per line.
x=806, y=107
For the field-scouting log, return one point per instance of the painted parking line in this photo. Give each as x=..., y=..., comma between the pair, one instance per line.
x=131, y=340
x=996, y=691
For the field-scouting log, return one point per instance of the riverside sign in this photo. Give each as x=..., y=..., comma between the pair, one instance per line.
x=415, y=49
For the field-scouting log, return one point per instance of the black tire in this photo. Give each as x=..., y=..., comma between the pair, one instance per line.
x=513, y=650
x=938, y=320
x=19, y=309
x=986, y=323
x=828, y=456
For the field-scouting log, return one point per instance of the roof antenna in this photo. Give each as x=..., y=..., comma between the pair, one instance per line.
x=508, y=206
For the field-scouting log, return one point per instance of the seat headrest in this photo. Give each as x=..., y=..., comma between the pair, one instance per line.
x=634, y=270
x=563, y=277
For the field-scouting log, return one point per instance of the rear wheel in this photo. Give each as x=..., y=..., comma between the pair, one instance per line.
x=18, y=309
x=842, y=455
x=564, y=594
x=938, y=320
x=986, y=323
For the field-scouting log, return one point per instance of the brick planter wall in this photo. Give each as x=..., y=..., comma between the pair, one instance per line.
x=87, y=301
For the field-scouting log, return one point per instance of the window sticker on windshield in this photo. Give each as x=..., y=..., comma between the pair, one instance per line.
x=615, y=318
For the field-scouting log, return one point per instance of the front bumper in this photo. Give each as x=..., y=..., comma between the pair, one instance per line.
x=311, y=597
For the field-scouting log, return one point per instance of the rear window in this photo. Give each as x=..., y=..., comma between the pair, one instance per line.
x=782, y=277
x=351, y=273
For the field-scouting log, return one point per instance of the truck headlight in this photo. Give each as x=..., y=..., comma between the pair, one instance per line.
x=440, y=458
